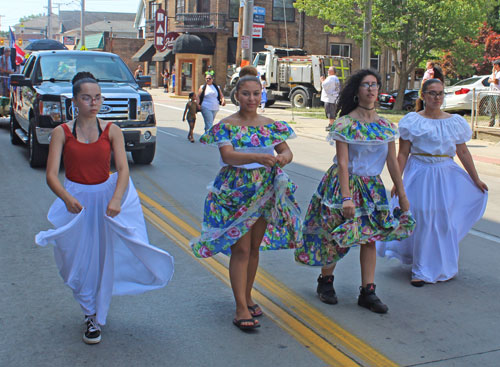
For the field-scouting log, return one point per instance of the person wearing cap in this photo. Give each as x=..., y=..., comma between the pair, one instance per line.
x=495, y=87
x=210, y=71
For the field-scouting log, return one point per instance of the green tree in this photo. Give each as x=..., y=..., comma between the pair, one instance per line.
x=29, y=17
x=409, y=29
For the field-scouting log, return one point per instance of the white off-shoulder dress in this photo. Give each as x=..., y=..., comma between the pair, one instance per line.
x=443, y=198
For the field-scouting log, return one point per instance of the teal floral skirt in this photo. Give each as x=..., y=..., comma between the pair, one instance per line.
x=328, y=236
x=237, y=198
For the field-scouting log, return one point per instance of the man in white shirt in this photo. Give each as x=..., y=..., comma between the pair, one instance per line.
x=5, y=70
x=495, y=87
x=329, y=93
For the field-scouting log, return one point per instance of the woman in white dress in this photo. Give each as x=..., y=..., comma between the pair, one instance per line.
x=446, y=201
x=101, y=246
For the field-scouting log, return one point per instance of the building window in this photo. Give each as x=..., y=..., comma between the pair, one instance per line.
x=153, y=6
x=375, y=61
x=234, y=9
x=282, y=8
x=340, y=49
x=180, y=6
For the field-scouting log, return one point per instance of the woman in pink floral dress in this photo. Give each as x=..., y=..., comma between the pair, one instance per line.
x=250, y=206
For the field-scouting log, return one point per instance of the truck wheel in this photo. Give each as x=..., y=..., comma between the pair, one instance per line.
x=270, y=102
x=37, y=153
x=144, y=156
x=233, y=98
x=299, y=99
x=14, y=139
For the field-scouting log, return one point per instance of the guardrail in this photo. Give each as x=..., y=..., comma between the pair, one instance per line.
x=485, y=112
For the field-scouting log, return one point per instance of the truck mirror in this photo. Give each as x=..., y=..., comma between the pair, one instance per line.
x=19, y=80
x=144, y=81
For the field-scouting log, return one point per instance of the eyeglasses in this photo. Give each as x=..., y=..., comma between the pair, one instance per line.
x=369, y=85
x=435, y=94
x=88, y=99
x=207, y=79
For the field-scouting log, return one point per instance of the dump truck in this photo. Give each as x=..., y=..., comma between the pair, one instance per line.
x=293, y=75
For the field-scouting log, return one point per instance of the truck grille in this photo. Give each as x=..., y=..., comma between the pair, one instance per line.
x=113, y=109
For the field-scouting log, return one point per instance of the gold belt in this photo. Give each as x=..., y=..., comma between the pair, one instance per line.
x=433, y=155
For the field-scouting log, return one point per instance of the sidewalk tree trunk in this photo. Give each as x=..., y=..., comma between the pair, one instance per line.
x=410, y=29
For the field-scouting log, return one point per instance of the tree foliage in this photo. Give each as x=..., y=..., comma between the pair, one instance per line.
x=409, y=29
x=29, y=17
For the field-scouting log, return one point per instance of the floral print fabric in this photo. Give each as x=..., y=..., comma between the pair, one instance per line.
x=239, y=196
x=327, y=235
x=248, y=136
x=349, y=130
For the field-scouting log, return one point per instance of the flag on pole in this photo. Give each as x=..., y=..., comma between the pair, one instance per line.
x=12, y=38
x=19, y=51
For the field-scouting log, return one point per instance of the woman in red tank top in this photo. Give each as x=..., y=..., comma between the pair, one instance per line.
x=100, y=241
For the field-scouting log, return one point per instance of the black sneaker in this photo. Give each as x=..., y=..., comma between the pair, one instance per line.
x=92, y=334
x=368, y=299
x=325, y=289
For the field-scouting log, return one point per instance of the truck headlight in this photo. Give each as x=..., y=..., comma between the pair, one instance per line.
x=147, y=108
x=51, y=109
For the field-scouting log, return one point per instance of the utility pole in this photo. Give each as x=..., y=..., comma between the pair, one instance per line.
x=82, y=25
x=367, y=32
x=240, y=33
x=49, y=20
x=247, y=31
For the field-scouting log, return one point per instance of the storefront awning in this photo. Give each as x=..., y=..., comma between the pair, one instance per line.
x=166, y=55
x=145, y=53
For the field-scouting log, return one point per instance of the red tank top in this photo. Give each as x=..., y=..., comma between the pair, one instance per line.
x=87, y=164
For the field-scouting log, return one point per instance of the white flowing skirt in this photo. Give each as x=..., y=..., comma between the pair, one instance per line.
x=99, y=256
x=445, y=203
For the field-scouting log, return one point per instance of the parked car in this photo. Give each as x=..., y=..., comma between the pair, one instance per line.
x=41, y=100
x=458, y=97
x=386, y=101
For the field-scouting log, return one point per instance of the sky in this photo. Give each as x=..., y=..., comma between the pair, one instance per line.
x=12, y=10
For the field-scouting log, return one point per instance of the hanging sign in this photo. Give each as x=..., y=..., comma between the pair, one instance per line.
x=170, y=40
x=160, y=29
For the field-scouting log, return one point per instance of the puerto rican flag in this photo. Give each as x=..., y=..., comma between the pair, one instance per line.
x=19, y=51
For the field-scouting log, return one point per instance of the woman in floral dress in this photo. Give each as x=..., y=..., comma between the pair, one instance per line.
x=250, y=206
x=350, y=206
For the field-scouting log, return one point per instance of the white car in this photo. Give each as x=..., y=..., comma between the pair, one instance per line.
x=458, y=97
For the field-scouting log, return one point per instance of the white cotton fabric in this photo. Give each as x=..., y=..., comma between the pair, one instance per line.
x=99, y=256
x=330, y=89
x=366, y=159
x=210, y=101
x=434, y=136
x=444, y=200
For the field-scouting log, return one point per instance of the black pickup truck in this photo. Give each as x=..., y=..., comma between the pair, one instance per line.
x=41, y=99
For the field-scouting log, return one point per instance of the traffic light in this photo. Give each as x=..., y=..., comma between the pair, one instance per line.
x=2, y=42
x=20, y=41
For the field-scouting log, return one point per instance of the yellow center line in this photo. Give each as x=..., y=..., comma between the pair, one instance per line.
x=309, y=326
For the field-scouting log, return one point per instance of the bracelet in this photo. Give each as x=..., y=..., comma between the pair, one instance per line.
x=346, y=198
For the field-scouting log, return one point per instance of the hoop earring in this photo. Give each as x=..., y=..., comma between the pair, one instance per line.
x=356, y=99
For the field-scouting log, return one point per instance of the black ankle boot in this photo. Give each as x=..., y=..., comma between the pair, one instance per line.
x=325, y=289
x=367, y=298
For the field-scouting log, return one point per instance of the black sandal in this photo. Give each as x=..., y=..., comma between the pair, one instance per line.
x=254, y=310
x=239, y=324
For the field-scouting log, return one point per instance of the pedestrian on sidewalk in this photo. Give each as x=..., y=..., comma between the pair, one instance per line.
x=210, y=97
x=446, y=200
x=329, y=94
x=350, y=206
x=138, y=72
x=191, y=110
x=166, y=77
x=100, y=241
x=251, y=205
x=263, y=97
x=494, y=81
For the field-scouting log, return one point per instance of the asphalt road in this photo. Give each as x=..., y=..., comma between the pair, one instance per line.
x=188, y=323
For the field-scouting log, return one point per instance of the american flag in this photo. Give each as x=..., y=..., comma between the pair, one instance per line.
x=19, y=51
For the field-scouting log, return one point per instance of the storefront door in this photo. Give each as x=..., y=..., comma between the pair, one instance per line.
x=187, y=75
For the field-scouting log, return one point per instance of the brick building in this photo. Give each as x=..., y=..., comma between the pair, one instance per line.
x=214, y=22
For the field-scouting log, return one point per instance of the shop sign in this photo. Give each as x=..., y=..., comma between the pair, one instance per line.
x=160, y=29
x=170, y=40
